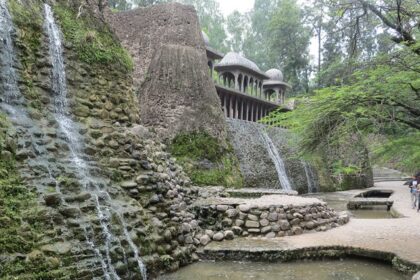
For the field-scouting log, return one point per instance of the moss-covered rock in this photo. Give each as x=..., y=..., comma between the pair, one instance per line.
x=21, y=225
x=205, y=160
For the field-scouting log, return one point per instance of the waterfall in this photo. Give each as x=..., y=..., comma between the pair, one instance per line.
x=7, y=56
x=310, y=178
x=102, y=199
x=277, y=160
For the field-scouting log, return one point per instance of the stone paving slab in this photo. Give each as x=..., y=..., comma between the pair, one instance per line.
x=400, y=237
x=264, y=201
x=259, y=192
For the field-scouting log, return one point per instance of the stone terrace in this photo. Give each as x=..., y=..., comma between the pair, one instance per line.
x=269, y=216
x=380, y=238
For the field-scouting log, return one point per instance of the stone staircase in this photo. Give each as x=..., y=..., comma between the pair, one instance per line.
x=382, y=174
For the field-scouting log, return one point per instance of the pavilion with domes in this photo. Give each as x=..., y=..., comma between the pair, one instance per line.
x=245, y=92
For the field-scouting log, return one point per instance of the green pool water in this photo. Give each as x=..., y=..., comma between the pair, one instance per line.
x=304, y=270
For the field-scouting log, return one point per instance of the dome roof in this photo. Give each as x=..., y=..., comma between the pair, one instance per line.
x=275, y=75
x=205, y=38
x=235, y=59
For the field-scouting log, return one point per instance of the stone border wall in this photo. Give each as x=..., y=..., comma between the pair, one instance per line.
x=227, y=221
x=313, y=253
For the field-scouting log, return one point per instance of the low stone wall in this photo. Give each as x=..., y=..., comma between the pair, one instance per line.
x=270, y=216
x=216, y=252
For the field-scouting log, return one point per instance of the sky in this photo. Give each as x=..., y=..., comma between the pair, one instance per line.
x=228, y=6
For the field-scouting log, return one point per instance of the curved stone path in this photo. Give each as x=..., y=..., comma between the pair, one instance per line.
x=396, y=236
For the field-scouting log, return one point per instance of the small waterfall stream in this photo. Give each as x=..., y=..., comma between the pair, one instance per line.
x=13, y=103
x=310, y=177
x=277, y=160
x=103, y=201
x=7, y=56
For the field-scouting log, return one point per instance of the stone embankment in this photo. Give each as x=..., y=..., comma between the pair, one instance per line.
x=389, y=240
x=269, y=216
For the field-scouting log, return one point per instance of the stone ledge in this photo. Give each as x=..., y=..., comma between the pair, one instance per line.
x=294, y=254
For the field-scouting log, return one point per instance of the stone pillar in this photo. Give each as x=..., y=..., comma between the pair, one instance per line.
x=231, y=107
x=241, y=113
x=283, y=93
x=236, y=81
x=257, y=115
x=236, y=107
x=225, y=105
x=246, y=110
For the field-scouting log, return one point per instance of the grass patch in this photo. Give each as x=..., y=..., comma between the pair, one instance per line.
x=92, y=40
x=205, y=161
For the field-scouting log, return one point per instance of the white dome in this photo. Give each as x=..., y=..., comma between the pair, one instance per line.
x=275, y=75
x=235, y=59
x=205, y=38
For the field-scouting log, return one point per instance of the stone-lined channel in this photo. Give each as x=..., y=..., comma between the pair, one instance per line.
x=348, y=269
x=338, y=202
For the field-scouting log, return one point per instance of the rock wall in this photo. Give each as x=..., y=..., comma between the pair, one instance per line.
x=140, y=187
x=175, y=90
x=256, y=165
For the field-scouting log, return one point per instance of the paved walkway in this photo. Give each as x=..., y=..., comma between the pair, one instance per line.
x=399, y=236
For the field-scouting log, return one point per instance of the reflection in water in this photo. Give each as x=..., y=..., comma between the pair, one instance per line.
x=317, y=270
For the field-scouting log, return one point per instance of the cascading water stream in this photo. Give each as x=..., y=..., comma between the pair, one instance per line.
x=7, y=56
x=310, y=178
x=72, y=136
x=277, y=160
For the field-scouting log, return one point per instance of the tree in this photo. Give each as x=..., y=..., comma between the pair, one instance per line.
x=400, y=16
x=256, y=42
x=236, y=27
x=289, y=44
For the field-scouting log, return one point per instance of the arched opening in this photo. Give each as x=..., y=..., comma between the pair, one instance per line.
x=251, y=82
x=255, y=86
x=228, y=80
x=245, y=84
x=269, y=94
x=210, y=64
x=240, y=81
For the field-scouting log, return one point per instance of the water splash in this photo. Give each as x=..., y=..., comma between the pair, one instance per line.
x=71, y=134
x=277, y=160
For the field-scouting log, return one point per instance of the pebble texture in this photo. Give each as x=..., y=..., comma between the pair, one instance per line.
x=269, y=216
x=381, y=238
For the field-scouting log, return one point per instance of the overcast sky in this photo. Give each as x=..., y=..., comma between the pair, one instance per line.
x=228, y=6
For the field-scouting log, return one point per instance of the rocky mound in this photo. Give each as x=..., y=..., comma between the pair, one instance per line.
x=175, y=90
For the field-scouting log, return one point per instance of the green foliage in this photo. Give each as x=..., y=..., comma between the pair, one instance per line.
x=28, y=23
x=402, y=153
x=289, y=44
x=93, y=42
x=197, y=146
x=192, y=149
x=225, y=174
